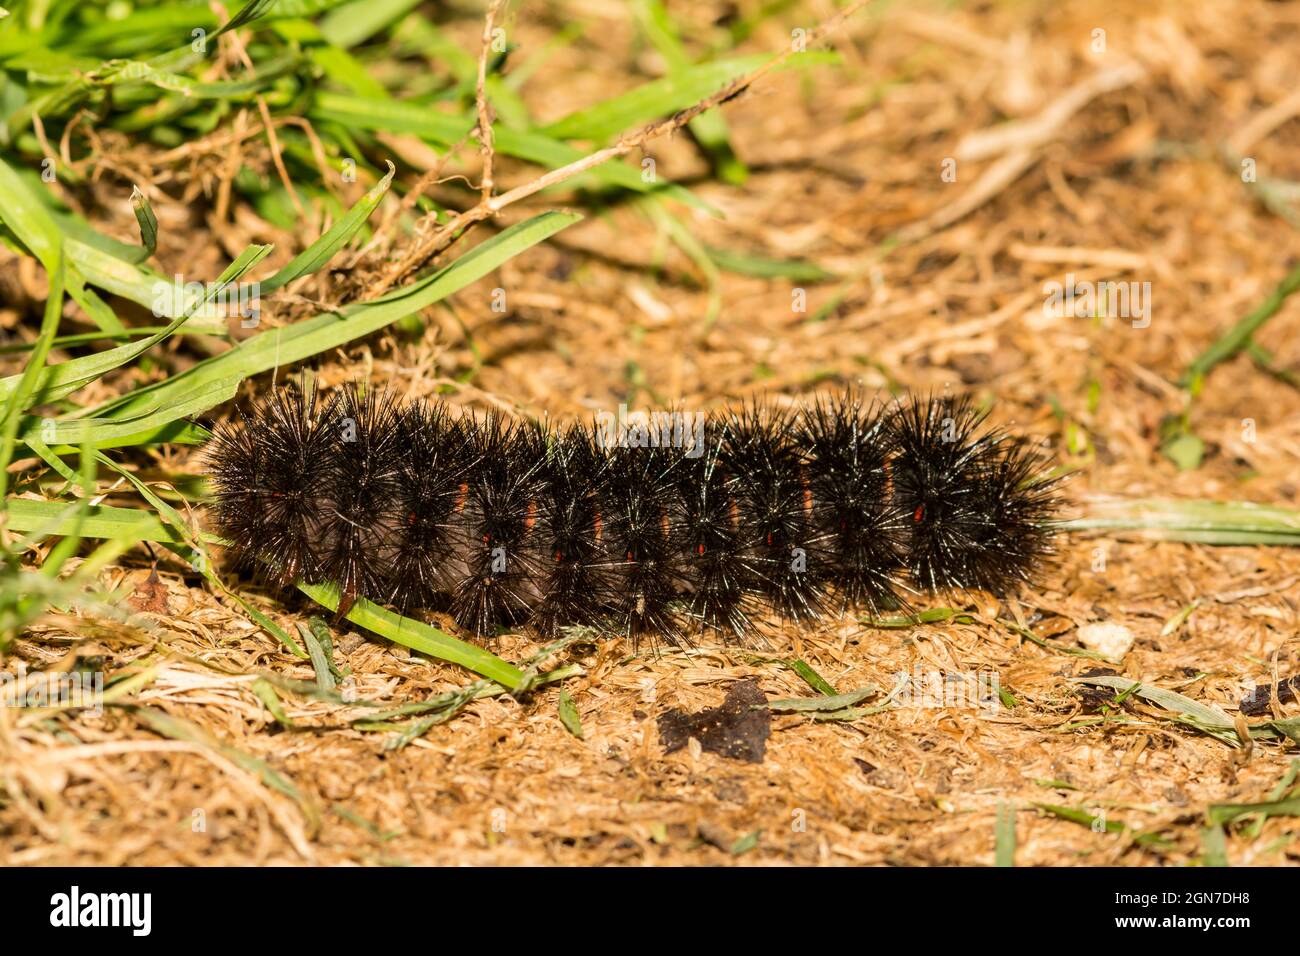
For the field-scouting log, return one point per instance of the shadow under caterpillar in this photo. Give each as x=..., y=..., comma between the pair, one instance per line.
x=656, y=526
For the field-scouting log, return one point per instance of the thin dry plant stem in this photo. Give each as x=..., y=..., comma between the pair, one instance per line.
x=429, y=245
x=278, y=158
x=272, y=140
x=486, y=142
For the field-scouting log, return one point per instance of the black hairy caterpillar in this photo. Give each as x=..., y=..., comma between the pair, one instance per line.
x=670, y=524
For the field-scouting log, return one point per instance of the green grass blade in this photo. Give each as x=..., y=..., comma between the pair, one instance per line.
x=664, y=97
x=796, y=705
x=1210, y=522
x=811, y=677
x=27, y=217
x=315, y=256
x=1238, y=337
x=315, y=648
x=109, y=432
x=66, y=377
x=282, y=347
x=709, y=129
x=144, y=215
x=20, y=394
x=1004, y=853
x=112, y=273
x=763, y=268
x=351, y=24
x=67, y=547
x=418, y=636
x=1098, y=821
x=44, y=518
x=1221, y=813
x=444, y=130
x=1203, y=717
x=569, y=715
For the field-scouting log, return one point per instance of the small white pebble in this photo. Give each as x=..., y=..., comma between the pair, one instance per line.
x=1110, y=640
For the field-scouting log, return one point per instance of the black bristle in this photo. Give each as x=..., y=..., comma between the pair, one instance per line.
x=361, y=479
x=272, y=483
x=773, y=492
x=847, y=444
x=641, y=515
x=834, y=507
x=431, y=485
x=715, y=555
x=503, y=527
x=1020, y=502
x=944, y=459
x=575, y=577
